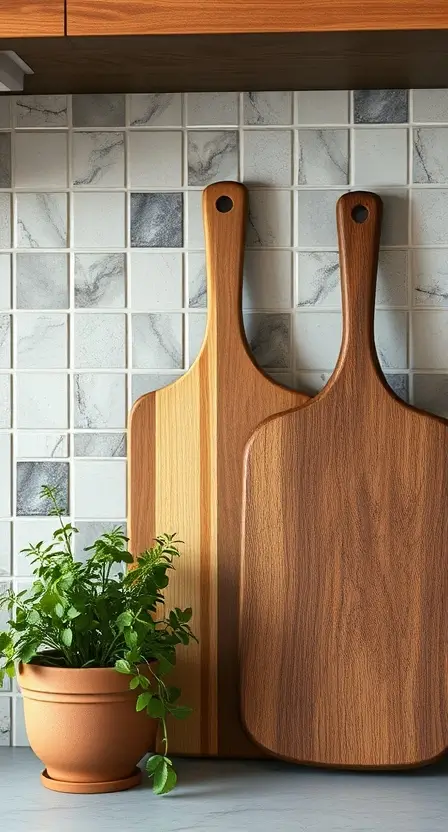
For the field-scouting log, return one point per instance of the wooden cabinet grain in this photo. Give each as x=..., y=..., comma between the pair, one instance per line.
x=141, y=17
x=32, y=18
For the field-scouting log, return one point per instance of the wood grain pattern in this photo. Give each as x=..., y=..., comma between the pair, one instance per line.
x=137, y=17
x=31, y=18
x=344, y=606
x=185, y=461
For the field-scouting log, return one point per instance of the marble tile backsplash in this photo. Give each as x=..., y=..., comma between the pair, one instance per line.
x=103, y=292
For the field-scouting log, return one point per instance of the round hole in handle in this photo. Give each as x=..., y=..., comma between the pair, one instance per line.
x=360, y=213
x=224, y=204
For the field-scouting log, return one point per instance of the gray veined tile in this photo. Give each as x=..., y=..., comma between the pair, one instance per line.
x=268, y=157
x=399, y=383
x=98, y=158
x=5, y=160
x=431, y=155
x=5, y=341
x=100, y=280
x=41, y=340
x=429, y=216
x=5, y=220
x=42, y=220
x=208, y=108
x=34, y=445
x=157, y=341
x=268, y=337
x=212, y=155
x=5, y=719
x=430, y=277
x=197, y=280
x=269, y=221
x=88, y=531
x=323, y=157
x=157, y=109
x=100, y=110
x=430, y=105
x=42, y=281
x=156, y=220
x=100, y=340
x=100, y=444
x=100, y=400
x=148, y=382
x=431, y=393
x=42, y=401
x=267, y=107
x=318, y=279
x=380, y=106
x=31, y=476
x=40, y=111
x=5, y=400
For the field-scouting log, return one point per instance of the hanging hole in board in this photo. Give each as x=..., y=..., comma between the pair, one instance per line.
x=224, y=204
x=360, y=213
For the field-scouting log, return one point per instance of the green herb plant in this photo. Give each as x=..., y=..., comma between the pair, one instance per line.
x=92, y=614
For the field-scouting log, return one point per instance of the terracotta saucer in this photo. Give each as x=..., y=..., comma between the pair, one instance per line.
x=91, y=788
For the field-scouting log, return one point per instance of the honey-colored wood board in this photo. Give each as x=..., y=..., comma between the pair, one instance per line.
x=344, y=604
x=185, y=462
x=137, y=17
x=31, y=18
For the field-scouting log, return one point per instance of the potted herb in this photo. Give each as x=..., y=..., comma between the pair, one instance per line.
x=93, y=646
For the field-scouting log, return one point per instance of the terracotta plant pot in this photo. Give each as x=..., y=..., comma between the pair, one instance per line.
x=83, y=725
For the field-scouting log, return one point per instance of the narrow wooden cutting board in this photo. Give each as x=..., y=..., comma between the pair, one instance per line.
x=185, y=475
x=344, y=606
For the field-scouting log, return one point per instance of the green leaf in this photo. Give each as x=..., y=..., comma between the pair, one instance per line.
x=181, y=711
x=155, y=708
x=153, y=762
x=124, y=620
x=142, y=701
x=173, y=619
x=130, y=637
x=59, y=610
x=5, y=640
x=67, y=637
x=186, y=615
x=143, y=682
x=126, y=557
x=33, y=617
x=164, y=666
x=170, y=782
x=123, y=666
x=173, y=694
x=160, y=777
x=72, y=613
x=27, y=652
x=134, y=683
x=10, y=670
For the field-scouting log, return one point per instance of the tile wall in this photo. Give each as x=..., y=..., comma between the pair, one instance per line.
x=102, y=277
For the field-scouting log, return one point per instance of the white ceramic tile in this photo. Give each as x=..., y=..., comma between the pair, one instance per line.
x=195, y=225
x=98, y=159
x=32, y=445
x=381, y=156
x=267, y=107
x=5, y=160
x=430, y=277
x=196, y=331
x=317, y=217
x=197, y=280
x=31, y=476
x=5, y=721
x=111, y=445
x=156, y=109
x=5, y=220
x=40, y=160
x=42, y=340
x=394, y=228
x=429, y=216
x=155, y=159
x=148, y=382
x=431, y=393
x=29, y=532
x=42, y=220
x=269, y=222
x=42, y=280
x=5, y=400
x=5, y=550
x=323, y=107
x=208, y=108
x=430, y=155
x=5, y=111
x=317, y=339
x=100, y=280
x=42, y=400
x=268, y=157
x=310, y=383
x=157, y=341
x=212, y=156
x=5, y=479
x=4, y=615
x=267, y=280
x=100, y=400
x=98, y=110
x=5, y=281
x=268, y=336
x=40, y=111
x=100, y=340
x=156, y=281
x=323, y=157
x=20, y=737
x=100, y=489
x=430, y=105
x=90, y=530
x=5, y=341
x=99, y=220
x=429, y=346
x=391, y=338
x=392, y=280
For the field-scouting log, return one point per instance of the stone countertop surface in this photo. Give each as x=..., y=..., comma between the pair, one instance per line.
x=238, y=796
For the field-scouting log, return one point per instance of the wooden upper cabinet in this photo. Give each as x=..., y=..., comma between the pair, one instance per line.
x=145, y=17
x=32, y=18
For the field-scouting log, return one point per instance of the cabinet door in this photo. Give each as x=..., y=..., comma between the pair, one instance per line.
x=140, y=17
x=31, y=18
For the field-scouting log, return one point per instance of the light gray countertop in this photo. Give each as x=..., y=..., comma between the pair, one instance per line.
x=231, y=795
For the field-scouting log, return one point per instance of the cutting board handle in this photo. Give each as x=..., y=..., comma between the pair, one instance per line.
x=225, y=213
x=359, y=228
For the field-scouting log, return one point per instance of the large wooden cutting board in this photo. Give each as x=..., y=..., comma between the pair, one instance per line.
x=185, y=475
x=344, y=606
